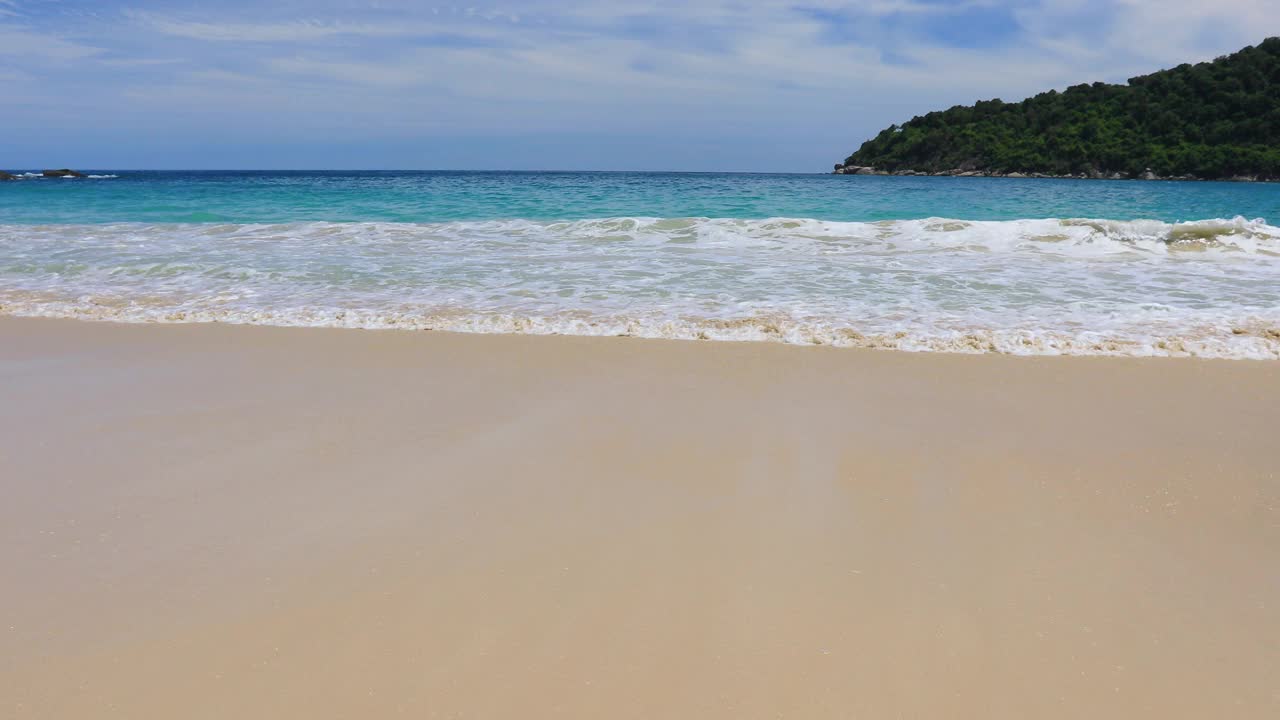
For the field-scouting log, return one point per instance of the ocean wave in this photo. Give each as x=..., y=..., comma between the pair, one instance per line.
x=1067, y=236
x=1046, y=287
x=39, y=176
x=1250, y=338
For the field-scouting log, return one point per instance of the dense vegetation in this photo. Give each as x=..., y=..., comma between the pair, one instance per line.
x=1211, y=120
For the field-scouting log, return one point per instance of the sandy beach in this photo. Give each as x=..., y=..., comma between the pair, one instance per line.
x=211, y=521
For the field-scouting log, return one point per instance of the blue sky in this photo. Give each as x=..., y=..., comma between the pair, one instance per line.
x=549, y=84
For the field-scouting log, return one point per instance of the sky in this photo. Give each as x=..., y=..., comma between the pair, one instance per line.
x=715, y=85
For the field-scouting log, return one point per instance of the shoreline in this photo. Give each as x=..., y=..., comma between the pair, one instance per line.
x=210, y=521
x=979, y=342
x=1015, y=175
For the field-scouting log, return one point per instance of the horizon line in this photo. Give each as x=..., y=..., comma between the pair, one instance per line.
x=424, y=170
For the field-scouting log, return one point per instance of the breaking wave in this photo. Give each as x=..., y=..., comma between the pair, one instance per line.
x=38, y=176
x=1082, y=287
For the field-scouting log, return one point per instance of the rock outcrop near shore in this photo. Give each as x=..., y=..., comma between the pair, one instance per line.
x=64, y=172
x=4, y=176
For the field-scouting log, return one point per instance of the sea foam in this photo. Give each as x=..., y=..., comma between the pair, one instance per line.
x=1076, y=286
x=39, y=176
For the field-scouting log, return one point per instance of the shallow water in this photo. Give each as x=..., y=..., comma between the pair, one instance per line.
x=942, y=264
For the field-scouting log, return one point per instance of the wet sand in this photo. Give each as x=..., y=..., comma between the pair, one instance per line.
x=240, y=522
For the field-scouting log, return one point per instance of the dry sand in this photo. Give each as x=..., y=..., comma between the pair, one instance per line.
x=237, y=522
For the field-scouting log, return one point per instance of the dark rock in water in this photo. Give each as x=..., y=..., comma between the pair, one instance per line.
x=7, y=176
x=857, y=170
x=62, y=173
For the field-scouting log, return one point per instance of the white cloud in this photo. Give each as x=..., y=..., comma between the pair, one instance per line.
x=283, y=32
x=713, y=57
x=704, y=68
x=398, y=75
x=138, y=62
x=303, y=30
x=28, y=43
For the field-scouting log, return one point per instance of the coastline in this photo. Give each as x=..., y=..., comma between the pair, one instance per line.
x=841, y=169
x=235, y=521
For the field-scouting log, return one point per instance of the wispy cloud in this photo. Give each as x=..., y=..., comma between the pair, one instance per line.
x=266, y=32
x=808, y=77
x=29, y=43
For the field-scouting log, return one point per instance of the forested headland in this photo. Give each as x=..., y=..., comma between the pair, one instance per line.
x=1212, y=120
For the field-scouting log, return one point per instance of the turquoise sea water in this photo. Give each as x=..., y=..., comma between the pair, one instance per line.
x=936, y=264
x=429, y=197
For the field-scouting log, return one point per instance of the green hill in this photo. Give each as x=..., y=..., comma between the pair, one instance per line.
x=1217, y=119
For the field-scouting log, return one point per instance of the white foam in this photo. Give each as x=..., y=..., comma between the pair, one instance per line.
x=1085, y=287
x=40, y=176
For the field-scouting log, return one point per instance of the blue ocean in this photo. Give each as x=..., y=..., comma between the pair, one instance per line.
x=1023, y=266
